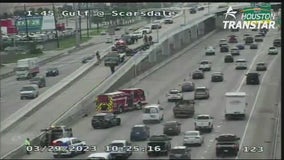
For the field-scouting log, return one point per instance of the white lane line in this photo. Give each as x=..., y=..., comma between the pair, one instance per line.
x=250, y=67
x=254, y=104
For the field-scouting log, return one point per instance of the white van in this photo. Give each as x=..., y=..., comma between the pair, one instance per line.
x=236, y=105
x=241, y=64
x=153, y=112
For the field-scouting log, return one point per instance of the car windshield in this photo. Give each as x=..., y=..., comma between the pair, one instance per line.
x=204, y=62
x=260, y=64
x=151, y=110
x=241, y=61
x=258, y=36
x=28, y=88
x=199, y=90
x=138, y=129
x=170, y=124
x=272, y=48
x=174, y=92
x=178, y=151
x=234, y=49
x=191, y=133
x=117, y=144
x=21, y=68
x=202, y=117
x=99, y=117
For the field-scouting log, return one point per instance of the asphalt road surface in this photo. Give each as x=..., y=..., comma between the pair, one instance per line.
x=255, y=130
x=31, y=126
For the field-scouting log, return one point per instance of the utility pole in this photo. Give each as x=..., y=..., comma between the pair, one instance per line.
x=88, y=20
x=76, y=27
x=55, y=22
x=80, y=20
x=26, y=22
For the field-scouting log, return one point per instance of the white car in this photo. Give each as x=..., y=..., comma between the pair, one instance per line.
x=241, y=64
x=272, y=50
x=29, y=91
x=153, y=112
x=205, y=65
x=147, y=29
x=119, y=148
x=203, y=122
x=174, y=94
x=69, y=146
x=235, y=51
x=100, y=155
x=139, y=34
x=192, y=137
x=210, y=51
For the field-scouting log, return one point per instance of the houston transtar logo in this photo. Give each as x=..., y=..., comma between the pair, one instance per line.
x=250, y=18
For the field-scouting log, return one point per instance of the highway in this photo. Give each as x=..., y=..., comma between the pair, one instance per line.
x=254, y=130
x=44, y=116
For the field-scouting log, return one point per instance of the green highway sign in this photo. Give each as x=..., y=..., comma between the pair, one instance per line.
x=257, y=13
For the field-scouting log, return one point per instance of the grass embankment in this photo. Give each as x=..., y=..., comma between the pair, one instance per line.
x=13, y=58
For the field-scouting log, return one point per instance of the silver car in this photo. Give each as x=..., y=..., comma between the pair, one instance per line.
x=192, y=137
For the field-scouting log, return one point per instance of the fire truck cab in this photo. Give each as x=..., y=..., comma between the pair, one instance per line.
x=54, y=132
x=121, y=101
x=138, y=96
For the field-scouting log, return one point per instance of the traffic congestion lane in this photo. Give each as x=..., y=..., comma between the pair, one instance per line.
x=162, y=82
x=41, y=118
x=238, y=127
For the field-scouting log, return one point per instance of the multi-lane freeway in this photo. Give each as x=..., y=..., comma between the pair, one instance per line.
x=30, y=127
x=255, y=130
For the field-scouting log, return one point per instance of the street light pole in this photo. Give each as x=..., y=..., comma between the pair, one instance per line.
x=76, y=27
x=26, y=22
x=157, y=35
x=55, y=22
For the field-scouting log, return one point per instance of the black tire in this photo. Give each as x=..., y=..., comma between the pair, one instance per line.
x=22, y=98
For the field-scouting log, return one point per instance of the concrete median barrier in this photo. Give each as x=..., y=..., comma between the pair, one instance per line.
x=138, y=64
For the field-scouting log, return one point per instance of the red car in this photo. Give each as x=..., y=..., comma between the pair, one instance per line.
x=232, y=39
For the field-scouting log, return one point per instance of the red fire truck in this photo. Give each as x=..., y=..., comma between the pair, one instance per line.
x=120, y=101
x=137, y=95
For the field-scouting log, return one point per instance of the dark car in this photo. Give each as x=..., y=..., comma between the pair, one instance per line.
x=162, y=143
x=156, y=26
x=52, y=72
x=198, y=74
x=140, y=132
x=277, y=43
x=232, y=39
x=200, y=8
x=224, y=48
x=217, y=77
x=172, y=128
x=87, y=59
x=180, y=152
x=117, y=29
x=192, y=11
x=105, y=120
x=261, y=66
x=187, y=86
x=253, y=46
x=258, y=38
x=235, y=29
x=262, y=33
x=128, y=39
x=252, y=78
x=249, y=40
x=227, y=144
x=39, y=80
x=240, y=46
x=228, y=58
x=168, y=21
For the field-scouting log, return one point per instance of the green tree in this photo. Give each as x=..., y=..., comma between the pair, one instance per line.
x=39, y=10
x=19, y=13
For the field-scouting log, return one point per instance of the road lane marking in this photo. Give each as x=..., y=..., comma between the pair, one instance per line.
x=254, y=104
x=251, y=65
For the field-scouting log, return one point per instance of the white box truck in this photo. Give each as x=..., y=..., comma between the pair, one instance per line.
x=27, y=68
x=235, y=105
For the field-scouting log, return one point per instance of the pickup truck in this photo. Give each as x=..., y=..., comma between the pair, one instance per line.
x=184, y=108
x=227, y=144
x=159, y=145
x=203, y=122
